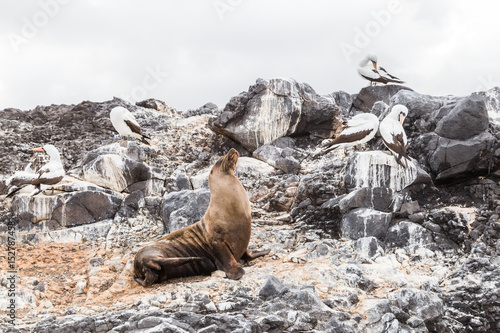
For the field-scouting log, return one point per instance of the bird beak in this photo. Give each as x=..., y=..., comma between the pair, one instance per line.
x=401, y=119
x=38, y=149
x=374, y=65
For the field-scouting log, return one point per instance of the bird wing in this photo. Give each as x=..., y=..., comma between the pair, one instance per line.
x=389, y=77
x=134, y=126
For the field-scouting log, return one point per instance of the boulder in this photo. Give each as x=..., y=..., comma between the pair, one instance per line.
x=422, y=304
x=44, y=213
x=450, y=158
x=378, y=198
x=180, y=209
x=378, y=169
x=274, y=109
x=115, y=172
x=466, y=120
x=364, y=222
x=286, y=159
x=369, y=95
x=369, y=247
x=407, y=233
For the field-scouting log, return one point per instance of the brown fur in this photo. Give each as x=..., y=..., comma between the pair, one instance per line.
x=217, y=241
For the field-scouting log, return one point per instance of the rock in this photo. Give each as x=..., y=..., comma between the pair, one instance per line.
x=64, y=210
x=271, y=287
x=466, y=120
x=115, y=172
x=248, y=166
x=209, y=108
x=274, y=109
x=422, y=304
x=452, y=158
x=369, y=95
x=409, y=208
x=369, y=247
x=287, y=159
x=364, y=222
x=180, y=209
x=200, y=180
x=407, y=233
x=378, y=198
x=378, y=169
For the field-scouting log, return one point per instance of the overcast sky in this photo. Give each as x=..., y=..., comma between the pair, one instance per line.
x=190, y=52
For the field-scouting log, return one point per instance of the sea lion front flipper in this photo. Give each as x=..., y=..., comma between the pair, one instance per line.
x=247, y=256
x=174, y=262
x=225, y=261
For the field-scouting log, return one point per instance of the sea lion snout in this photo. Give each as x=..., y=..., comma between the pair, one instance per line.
x=227, y=163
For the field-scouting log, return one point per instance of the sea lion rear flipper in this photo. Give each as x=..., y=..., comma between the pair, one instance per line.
x=247, y=256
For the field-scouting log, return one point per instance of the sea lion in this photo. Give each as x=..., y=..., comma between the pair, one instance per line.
x=217, y=241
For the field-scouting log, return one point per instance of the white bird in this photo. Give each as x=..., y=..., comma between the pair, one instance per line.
x=369, y=70
x=49, y=174
x=393, y=133
x=357, y=130
x=125, y=124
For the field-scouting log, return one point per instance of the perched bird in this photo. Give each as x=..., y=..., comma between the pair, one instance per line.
x=357, y=130
x=393, y=133
x=49, y=174
x=369, y=70
x=125, y=124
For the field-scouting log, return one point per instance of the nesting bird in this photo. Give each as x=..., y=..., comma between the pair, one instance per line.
x=369, y=70
x=49, y=174
x=357, y=130
x=393, y=133
x=126, y=125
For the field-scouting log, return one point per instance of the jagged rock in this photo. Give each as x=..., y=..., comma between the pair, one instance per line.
x=407, y=233
x=369, y=247
x=377, y=198
x=369, y=95
x=45, y=213
x=180, y=209
x=378, y=169
x=115, y=172
x=209, y=108
x=281, y=155
x=273, y=109
x=466, y=120
x=271, y=287
x=364, y=222
x=250, y=166
x=453, y=158
x=422, y=304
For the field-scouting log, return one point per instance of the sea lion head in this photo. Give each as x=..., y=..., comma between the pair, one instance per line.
x=227, y=163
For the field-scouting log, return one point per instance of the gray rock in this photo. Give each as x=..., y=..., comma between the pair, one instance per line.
x=378, y=169
x=180, y=209
x=271, y=287
x=407, y=233
x=378, y=198
x=364, y=222
x=286, y=159
x=409, y=208
x=273, y=109
x=369, y=247
x=453, y=158
x=115, y=172
x=466, y=120
x=64, y=210
x=369, y=95
x=422, y=304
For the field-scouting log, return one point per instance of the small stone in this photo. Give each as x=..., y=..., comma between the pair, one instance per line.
x=96, y=261
x=271, y=287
